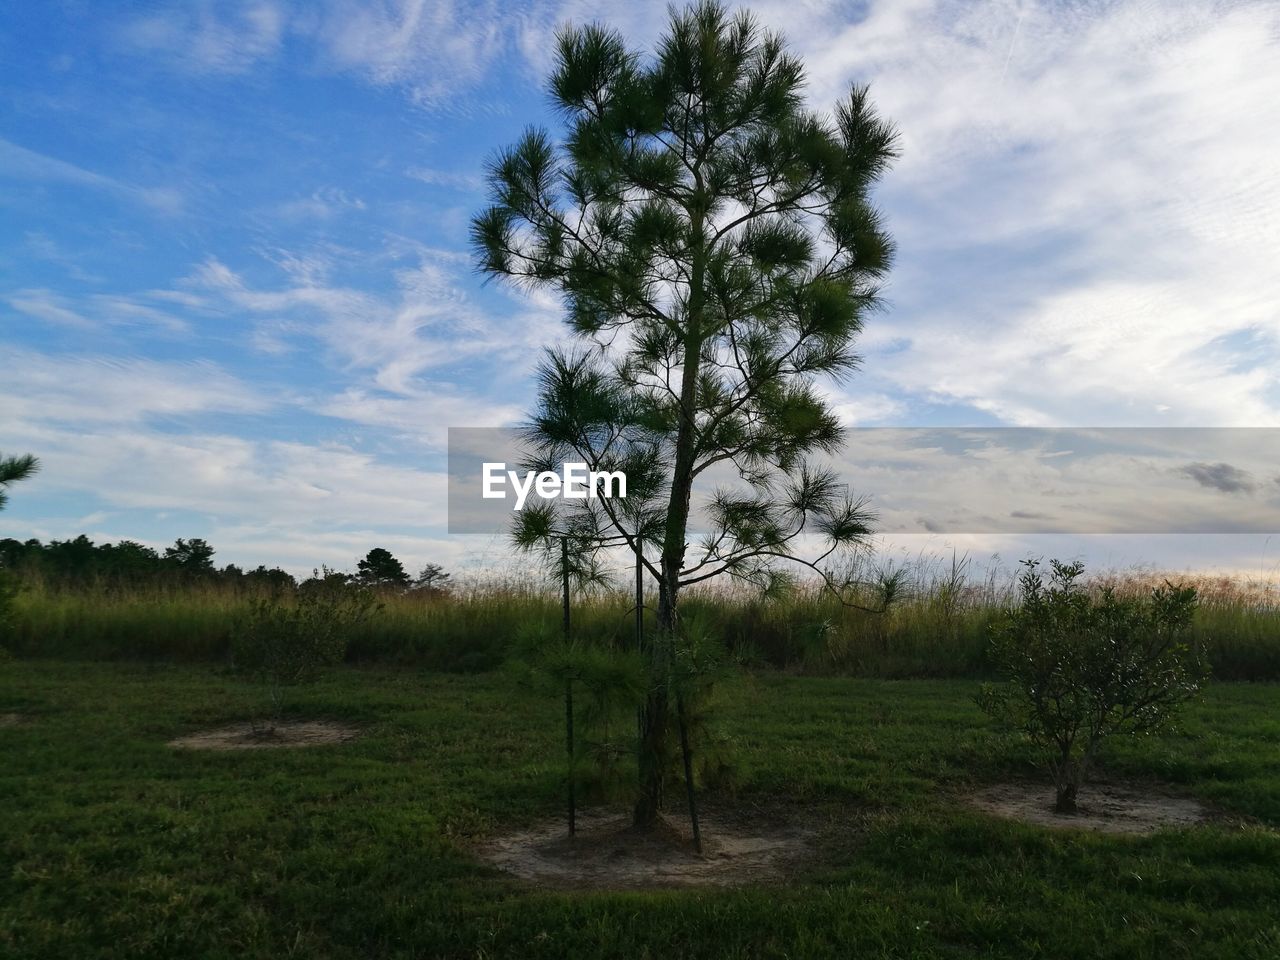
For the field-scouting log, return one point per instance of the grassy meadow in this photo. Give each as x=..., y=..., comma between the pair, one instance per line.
x=938, y=625
x=115, y=845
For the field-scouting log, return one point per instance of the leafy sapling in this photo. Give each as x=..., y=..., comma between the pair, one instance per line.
x=1081, y=666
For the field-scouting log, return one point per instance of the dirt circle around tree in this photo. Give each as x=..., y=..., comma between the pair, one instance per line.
x=285, y=734
x=608, y=853
x=1121, y=808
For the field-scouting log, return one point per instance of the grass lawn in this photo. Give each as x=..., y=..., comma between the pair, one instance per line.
x=114, y=844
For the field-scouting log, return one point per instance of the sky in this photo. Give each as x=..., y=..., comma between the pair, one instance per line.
x=237, y=301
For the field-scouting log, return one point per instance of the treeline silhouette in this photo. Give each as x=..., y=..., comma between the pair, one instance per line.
x=70, y=564
x=80, y=562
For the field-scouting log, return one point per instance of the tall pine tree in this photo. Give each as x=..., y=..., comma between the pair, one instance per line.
x=716, y=249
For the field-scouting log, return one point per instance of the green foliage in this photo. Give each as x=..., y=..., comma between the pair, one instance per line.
x=1080, y=668
x=380, y=569
x=190, y=556
x=700, y=671
x=14, y=469
x=285, y=641
x=695, y=202
x=932, y=629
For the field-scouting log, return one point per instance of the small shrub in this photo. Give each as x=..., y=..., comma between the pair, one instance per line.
x=1080, y=667
x=289, y=639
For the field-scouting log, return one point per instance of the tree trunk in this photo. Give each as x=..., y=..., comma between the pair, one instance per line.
x=653, y=740
x=653, y=720
x=690, y=793
x=1067, y=777
x=568, y=734
x=568, y=684
x=1066, y=798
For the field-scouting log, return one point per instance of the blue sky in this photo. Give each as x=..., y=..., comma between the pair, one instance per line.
x=236, y=300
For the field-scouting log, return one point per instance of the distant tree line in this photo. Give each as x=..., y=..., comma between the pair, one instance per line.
x=80, y=562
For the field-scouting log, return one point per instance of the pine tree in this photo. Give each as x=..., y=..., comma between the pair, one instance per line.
x=716, y=249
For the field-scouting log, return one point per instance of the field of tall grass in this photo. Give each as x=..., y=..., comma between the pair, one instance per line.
x=937, y=626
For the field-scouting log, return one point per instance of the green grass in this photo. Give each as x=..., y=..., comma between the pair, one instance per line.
x=114, y=845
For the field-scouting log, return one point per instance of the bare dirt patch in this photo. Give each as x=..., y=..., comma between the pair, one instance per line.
x=12, y=719
x=1108, y=808
x=288, y=733
x=607, y=853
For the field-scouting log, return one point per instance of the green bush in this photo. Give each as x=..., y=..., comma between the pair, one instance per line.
x=289, y=639
x=1082, y=666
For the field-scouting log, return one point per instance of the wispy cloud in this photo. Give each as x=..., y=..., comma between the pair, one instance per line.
x=19, y=163
x=43, y=247
x=1084, y=219
x=1087, y=211
x=468, y=182
x=95, y=311
x=38, y=388
x=323, y=204
x=430, y=49
x=48, y=307
x=430, y=323
x=209, y=37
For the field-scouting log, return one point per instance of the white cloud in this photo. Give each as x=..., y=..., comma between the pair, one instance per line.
x=323, y=204
x=1116, y=146
x=468, y=182
x=431, y=49
x=424, y=415
x=94, y=311
x=50, y=307
x=281, y=501
x=430, y=325
x=38, y=389
x=19, y=163
x=206, y=37
x=1121, y=150
x=103, y=430
x=1087, y=209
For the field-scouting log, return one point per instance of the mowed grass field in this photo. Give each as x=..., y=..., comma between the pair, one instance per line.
x=113, y=844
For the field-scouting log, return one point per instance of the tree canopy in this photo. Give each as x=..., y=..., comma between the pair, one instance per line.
x=716, y=250
x=380, y=568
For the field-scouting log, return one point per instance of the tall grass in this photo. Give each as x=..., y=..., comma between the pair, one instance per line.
x=937, y=627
